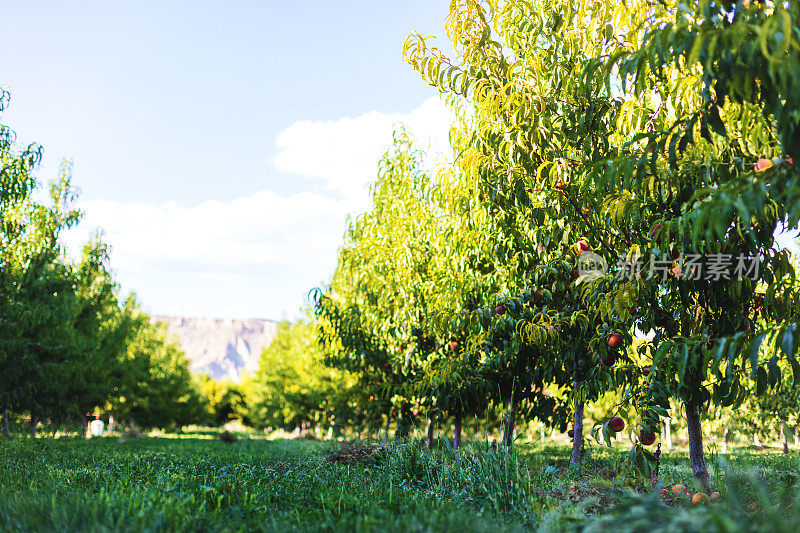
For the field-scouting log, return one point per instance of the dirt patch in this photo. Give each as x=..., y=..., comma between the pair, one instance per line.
x=355, y=452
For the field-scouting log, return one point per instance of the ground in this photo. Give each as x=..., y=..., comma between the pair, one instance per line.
x=199, y=482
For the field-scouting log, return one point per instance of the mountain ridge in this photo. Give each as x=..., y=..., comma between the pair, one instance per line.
x=224, y=348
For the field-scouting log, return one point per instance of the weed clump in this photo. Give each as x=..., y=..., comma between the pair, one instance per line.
x=227, y=437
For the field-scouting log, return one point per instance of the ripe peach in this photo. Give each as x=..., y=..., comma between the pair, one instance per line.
x=656, y=229
x=763, y=165
x=715, y=496
x=581, y=246
x=614, y=340
x=677, y=489
x=647, y=438
x=699, y=498
x=616, y=424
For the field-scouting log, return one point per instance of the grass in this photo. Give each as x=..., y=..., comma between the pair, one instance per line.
x=196, y=483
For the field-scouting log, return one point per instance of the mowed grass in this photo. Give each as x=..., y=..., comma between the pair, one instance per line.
x=197, y=483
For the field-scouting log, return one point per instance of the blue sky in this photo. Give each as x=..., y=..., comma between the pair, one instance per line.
x=220, y=145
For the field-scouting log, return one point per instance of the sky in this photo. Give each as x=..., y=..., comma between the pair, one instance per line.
x=219, y=146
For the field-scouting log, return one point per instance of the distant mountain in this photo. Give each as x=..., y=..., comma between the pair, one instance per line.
x=222, y=348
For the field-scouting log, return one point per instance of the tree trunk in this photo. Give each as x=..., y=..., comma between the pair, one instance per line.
x=386, y=429
x=696, y=453
x=457, y=430
x=430, y=434
x=511, y=418
x=6, y=433
x=668, y=433
x=85, y=424
x=577, y=435
x=577, y=427
x=756, y=441
x=110, y=423
x=725, y=434
x=784, y=439
x=542, y=434
x=403, y=420
x=56, y=425
x=797, y=437
x=34, y=423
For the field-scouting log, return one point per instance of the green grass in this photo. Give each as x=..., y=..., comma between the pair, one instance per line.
x=196, y=482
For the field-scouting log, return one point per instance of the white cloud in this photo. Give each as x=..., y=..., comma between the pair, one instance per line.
x=788, y=238
x=344, y=153
x=259, y=253
x=255, y=231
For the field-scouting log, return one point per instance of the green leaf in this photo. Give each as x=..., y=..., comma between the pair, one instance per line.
x=715, y=121
x=761, y=381
x=774, y=371
x=755, y=345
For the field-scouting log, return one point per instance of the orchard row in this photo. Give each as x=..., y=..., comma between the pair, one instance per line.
x=640, y=131
x=69, y=344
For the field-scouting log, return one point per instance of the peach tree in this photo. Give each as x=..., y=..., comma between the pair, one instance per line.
x=608, y=116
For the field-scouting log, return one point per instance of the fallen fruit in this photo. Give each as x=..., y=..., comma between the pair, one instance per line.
x=664, y=493
x=647, y=438
x=699, y=498
x=715, y=496
x=616, y=424
x=677, y=489
x=614, y=340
